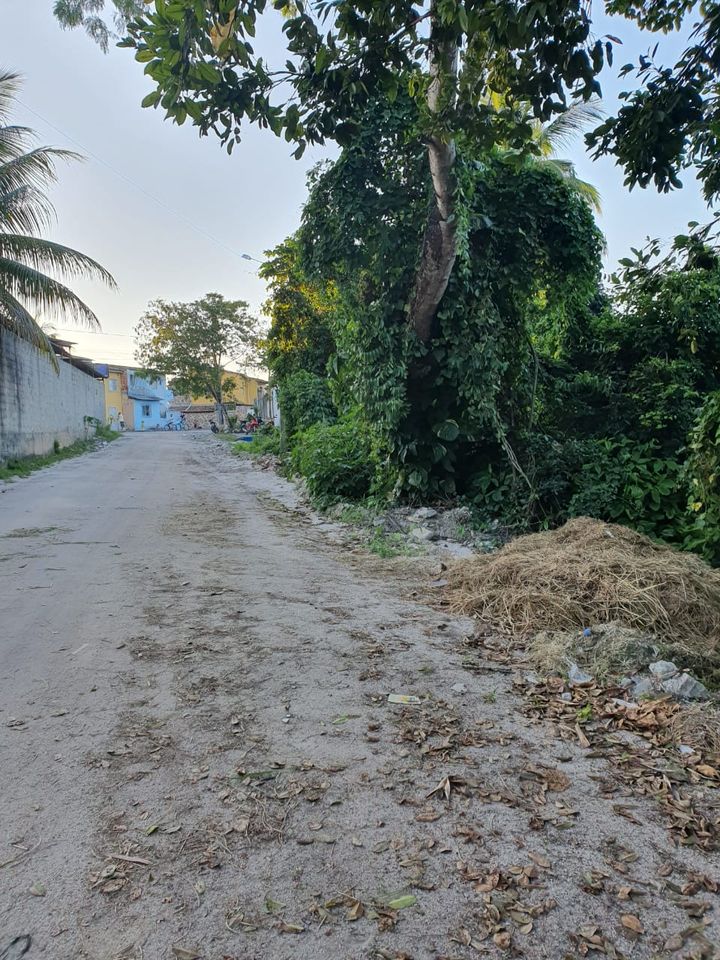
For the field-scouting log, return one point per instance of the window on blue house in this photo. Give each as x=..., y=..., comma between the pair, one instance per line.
x=146, y=409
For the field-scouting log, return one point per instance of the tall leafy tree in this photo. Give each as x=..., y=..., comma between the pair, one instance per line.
x=446, y=54
x=194, y=343
x=30, y=265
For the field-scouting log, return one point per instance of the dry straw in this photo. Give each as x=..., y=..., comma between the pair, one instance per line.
x=588, y=572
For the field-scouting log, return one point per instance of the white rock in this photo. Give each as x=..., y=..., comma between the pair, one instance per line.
x=686, y=687
x=643, y=687
x=663, y=669
x=459, y=688
x=423, y=533
x=425, y=513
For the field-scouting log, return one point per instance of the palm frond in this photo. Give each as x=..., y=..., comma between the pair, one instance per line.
x=14, y=140
x=565, y=128
x=15, y=318
x=567, y=170
x=45, y=255
x=36, y=168
x=26, y=289
x=44, y=294
x=9, y=87
x=25, y=210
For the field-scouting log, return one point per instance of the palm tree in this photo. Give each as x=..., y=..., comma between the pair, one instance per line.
x=29, y=265
x=560, y=133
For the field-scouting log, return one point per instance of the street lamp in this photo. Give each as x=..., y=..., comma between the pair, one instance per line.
x=246, y=256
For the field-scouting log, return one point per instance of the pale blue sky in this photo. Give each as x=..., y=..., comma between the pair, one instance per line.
x=245, y=203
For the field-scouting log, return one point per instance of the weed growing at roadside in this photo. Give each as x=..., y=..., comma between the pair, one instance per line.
x=389, y=545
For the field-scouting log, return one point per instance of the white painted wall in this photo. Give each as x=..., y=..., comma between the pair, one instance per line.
x=39, y=406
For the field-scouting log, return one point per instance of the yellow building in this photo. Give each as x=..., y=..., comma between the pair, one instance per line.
x=244, y=391
x=116, y=404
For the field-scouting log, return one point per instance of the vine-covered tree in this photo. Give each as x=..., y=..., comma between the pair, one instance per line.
x=452, y=56
x=531, y=246
x=30, y=265
x=447, y=55
x=194, y=343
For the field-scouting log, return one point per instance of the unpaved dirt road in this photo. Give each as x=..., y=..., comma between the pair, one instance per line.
x=199, y=759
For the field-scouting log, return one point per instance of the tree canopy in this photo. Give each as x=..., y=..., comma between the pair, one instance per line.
x=299, y=337
x=194, y=342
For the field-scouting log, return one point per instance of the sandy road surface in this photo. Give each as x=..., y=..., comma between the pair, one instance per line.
x=199, y=760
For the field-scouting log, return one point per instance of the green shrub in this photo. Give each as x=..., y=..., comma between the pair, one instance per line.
x=264, y=441
x=338, y=461
x=626, y=482
x=305, y=399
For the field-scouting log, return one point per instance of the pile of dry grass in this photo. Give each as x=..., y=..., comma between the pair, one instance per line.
x=588, y=572
x=698, y=726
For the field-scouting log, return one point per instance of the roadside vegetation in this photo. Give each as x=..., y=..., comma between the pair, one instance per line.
x=440, y=325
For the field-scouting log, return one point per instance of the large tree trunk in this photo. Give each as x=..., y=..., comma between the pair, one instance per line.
x=439, y=246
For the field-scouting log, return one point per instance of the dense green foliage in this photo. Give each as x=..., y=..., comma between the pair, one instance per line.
x=266, y=440
x=542, y=395
x=530, y=238
x=299, y=338
x=305, y=399
x=336, y=460
x=203, y=61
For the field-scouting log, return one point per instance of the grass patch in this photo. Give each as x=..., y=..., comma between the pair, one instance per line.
x=389, y=545
x=355, y=514
x=260, y=445
x=24, y=466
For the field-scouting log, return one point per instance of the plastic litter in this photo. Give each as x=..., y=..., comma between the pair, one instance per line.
x=403, y=698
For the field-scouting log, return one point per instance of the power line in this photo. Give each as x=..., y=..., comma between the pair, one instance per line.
x=93, y=333
x=146, y=193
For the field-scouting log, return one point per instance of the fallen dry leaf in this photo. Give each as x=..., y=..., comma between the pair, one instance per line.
x=631, y=922
x=185, y=953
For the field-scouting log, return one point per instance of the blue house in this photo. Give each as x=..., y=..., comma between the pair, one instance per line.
x=150, y=401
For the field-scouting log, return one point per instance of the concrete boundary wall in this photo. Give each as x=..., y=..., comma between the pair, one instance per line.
x=39, y=406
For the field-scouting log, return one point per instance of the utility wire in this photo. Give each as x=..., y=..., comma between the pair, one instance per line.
x=140, y=188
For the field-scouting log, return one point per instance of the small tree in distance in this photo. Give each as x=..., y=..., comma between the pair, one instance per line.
x=194, y=343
